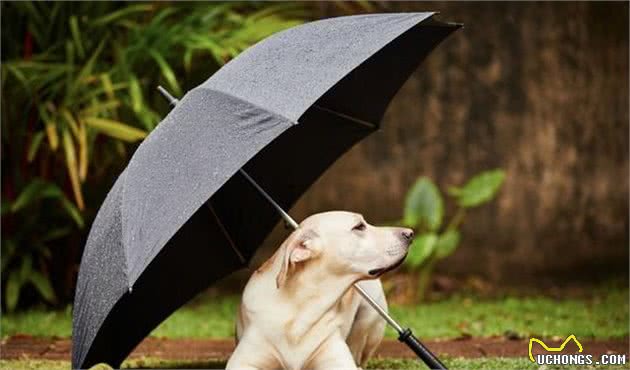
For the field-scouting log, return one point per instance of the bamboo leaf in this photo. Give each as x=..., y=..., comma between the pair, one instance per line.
x=35, y=190
x=208, y=44
x=85, y=71
x=12, y=292
x=285, y=9
x=26, y=268
x=162, y=15
x=107, y=85
x=69, y=72
x=73, y=212
x=43, y=286
x=56, y=233
x=71, y=164
x=122, y=13
x=116, y=129
x=83, y=151
x=76, y=36
x=148, y=118
x=51, y=134
x=167, y=72
x=72, y=123
x=37, y=65
x=38, y=189
x=97, y=92
x=187, y=60
x=99, y=107
x=49, y=124
x=51, y=17
x=34, y=146
x=19, y=75
x=135, y=93
x=128, y=24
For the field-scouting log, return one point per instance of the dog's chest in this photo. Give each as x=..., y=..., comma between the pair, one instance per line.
x=296, y=351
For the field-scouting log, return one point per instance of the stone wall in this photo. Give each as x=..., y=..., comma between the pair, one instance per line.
x=538, y=89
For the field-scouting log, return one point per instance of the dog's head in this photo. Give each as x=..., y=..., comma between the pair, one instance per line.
x=344, y=244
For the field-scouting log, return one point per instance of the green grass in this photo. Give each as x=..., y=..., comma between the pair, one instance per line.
x=604, y=315
x=380, y=363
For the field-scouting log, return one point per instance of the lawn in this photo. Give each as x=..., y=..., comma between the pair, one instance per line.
x=603, y=315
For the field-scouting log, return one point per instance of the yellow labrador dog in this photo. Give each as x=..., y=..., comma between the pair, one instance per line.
x=298, y=310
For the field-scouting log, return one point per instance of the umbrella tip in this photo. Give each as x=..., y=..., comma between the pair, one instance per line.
x=130, y=289
x=171, y=100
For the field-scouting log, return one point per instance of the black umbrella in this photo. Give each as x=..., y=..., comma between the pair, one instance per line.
x=180, y=216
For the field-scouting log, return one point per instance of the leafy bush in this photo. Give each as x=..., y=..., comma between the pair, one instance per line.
x=424, y=212
x=78, y=91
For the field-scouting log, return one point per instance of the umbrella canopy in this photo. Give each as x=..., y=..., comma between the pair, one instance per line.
x=180, y=217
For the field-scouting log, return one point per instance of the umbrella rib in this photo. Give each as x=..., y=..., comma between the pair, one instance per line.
x=225, y=232
x=348, y=117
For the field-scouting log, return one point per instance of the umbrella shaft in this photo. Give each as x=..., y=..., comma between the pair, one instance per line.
x=285, y=216
x=390, y=320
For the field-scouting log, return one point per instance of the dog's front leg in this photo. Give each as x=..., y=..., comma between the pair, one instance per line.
x=252, y=353
x=333, y=354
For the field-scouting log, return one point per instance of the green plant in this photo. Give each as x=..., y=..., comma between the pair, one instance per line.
x=78, y=92
x=424, y=212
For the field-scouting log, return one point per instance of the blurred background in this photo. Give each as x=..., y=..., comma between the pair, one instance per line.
x=507, y=149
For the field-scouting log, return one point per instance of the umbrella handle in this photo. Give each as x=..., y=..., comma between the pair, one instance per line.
x=405, y=335
x=420, y=350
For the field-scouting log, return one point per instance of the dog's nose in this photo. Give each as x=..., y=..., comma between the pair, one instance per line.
x=407, y=234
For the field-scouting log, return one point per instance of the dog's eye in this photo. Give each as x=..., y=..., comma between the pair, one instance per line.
x=359, y=227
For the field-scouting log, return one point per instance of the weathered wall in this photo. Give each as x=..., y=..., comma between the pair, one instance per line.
x=539, y=89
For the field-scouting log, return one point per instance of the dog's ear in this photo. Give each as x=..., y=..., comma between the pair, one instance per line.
x=297, y=249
